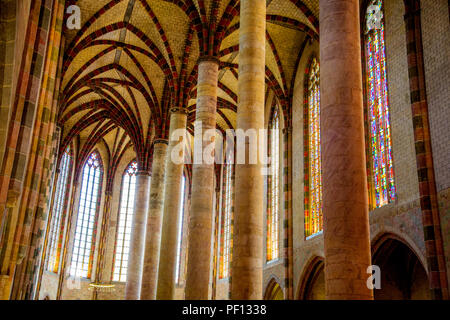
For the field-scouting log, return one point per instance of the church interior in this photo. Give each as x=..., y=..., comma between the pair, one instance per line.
x=105, y=188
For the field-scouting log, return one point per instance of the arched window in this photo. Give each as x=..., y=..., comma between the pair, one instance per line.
x=180, y=230
x=273, y=206
x=226, y=230
x=125, y=219
x=380, y=166
x=84, y=239
x=59, y=204
x=313, y=165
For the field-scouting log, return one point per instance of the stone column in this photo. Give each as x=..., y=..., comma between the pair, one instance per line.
x=154, y=222
x=247, y=259
x=173, y=178
x=200, y=222
x=137, y=243
x=345, y=198
x=288, y=242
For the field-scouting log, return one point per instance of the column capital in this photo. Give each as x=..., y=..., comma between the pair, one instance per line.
x=143, y=173
x=161, y=140
x=209, y=59
x=179, y=110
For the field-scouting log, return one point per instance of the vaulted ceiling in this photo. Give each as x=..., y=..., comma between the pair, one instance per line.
x=134, y=59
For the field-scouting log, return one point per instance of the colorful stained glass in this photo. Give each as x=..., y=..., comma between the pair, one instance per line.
x=273, y=212
x=60, y=198
x=381, y=179
x=313, y=207
x=125, y=219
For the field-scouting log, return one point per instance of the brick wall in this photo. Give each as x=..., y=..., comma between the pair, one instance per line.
x=403, y=217
x=304, y=250
x=275, y=268
x=436, y=51
x=405, y=168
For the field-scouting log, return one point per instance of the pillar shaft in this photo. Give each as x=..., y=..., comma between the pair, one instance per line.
x=200, y=222
x=345, y=199
x=247, y=259
x=137, y=243
x=172, y=181
x=288, y=224
x=154, y=222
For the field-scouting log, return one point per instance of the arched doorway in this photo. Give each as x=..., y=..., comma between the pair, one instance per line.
x=313, y=281
x=274, y=291
x=403, y=276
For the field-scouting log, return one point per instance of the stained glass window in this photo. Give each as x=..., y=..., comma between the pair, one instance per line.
x=180, y=230
x=273, y=211
x=313, y=172
x=59, y=202
x=226, y=242
x=381, y=171
x=125, y=221
x=82, y=253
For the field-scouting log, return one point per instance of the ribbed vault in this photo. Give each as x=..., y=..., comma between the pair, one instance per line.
x=133, y=60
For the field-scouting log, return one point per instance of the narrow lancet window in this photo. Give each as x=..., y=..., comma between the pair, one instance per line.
x=313, y=164
x=180, y=230
x=84, y=240
x=273, y=212
x=380, y=171
x=226, y=225
x=59, y=203
x=124, y=222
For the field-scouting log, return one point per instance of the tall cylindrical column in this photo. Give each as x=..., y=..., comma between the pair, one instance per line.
x=247, y=261
x=200, y=223
x=345, y=199
x=154, y=222
x=137, y=243
x=173, y=177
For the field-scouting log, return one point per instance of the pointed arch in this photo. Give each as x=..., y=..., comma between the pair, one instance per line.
x=380, y=164
x=226, y=226
x=314, y=269
x=125, y=218
x=274, y=186
x=89, y=202
x=403, y=276
x=312, y=150
x=59, y=207
x=273, y=291
x=180, y=229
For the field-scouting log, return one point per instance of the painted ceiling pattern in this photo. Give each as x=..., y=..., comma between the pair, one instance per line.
x=133, y=60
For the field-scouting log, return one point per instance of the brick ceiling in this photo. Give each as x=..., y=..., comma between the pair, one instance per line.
x=134, y=59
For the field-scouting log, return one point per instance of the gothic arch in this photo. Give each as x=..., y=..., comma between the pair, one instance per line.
x=273, y=291
x=402, y=275
x=390, y=234
x=314, y=268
